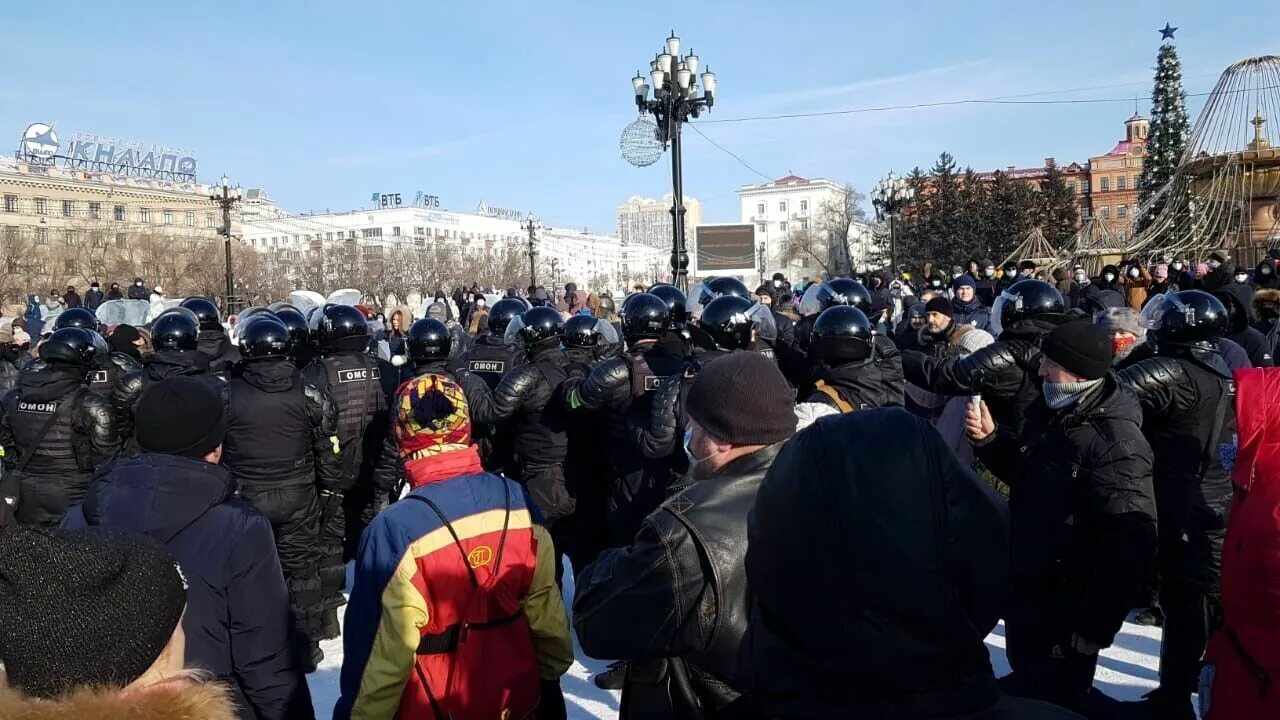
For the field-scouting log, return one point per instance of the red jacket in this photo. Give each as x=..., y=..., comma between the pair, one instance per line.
x=1251, y=559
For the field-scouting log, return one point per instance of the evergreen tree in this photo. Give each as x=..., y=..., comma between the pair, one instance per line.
x=1056, y=212
x=1009, y=215
x=1169, y=132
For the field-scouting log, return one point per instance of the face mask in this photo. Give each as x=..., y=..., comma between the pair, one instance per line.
x=1135, y=272
x=1108, y=276
x=1177, y=266
x=935, y=283
x=989, y=272
x=1025, y=273
x=1080, y=277
x=479, y=303
x=1265, y=271
x=1122, y=346
x=1215, y=264
x=694, y=460
x=777, y=283
x=1241, y=277
x=139, y=284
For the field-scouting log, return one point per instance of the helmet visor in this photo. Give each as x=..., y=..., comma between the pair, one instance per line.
x=809, y=304
x=762, y=319
x=999, y=312
x=608, y=333
x=699, y=297
x=512, y=335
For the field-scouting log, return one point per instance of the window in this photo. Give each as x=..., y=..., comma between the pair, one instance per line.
x=419, y=231
x=118, y=213
x=1084, y=213
x=95, y=210
x=1136, y=178
x=11, y=203
x=295, y=239
x=1071, y=186
x=42, y=206
x=804, y=224
x=782, y=226
x=69, y=238
x=351, y=235
x=760, y=209
x=97, y=239
x=190, y=244
x=804, y=206
x=1084, y=186
x=762, y=227
x=144, y=215
x=782, y=206
x=1121, y=182
x=208, y=220
x=42, y=236
x=69, y=265
x=1105, y=184
x=395, y=230
x=1122, y=211
x=1104, y=212
x=121, y=240
x=168, y=217
x=11, y=233
x=189, y=219
x=368, y=233
x=328, y=236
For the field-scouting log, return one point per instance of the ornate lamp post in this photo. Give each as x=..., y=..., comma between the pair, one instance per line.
x=889, y=197
x=674, y=101
x=531, y=225
x=226, y=196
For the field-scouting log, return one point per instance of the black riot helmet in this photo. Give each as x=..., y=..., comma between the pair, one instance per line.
x=1186, y=318
x=844, y=291
x=206, y=312
x=582, y=331
x=676, y=302
x=264, y=338
x=716, y=287
x=276, y=307
x=339, y=327
x=299, y=333
x=175, y=329
x=841, y=334
x=727, y=321
x=645, y=316
x=502, y=312
x=77, y=317
x=540, y=325
x=1024, y=300
x=69, y=346
x=428, y=340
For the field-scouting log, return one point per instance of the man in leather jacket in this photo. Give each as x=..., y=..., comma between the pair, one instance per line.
x=53, y=431
x=674, y=601
x=1187, y=395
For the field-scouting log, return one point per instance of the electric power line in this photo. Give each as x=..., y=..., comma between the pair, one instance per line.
x=729, y=152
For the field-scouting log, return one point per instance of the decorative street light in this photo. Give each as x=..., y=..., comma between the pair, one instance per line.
x=674, y=101
x=532, y=225
x=889, y=197
x=226, y=196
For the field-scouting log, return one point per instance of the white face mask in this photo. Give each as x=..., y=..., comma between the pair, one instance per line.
x=1177, y=266
x=1215, y=264
x=1108, y=276
x=1025, y=273
x=1081, y=277
x=989, y=272
x=1134, y=272
x=777, y=283
x=1265, y=270
x=1241, y=277
x=139, y=283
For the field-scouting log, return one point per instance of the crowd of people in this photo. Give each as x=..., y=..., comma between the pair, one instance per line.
x=798, y=502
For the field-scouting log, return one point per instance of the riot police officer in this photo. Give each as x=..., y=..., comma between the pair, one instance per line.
x=107, y=366
x=1188, y=403
x=491, y=356
x=175, y=337
x=282, y=445
x=846, y=378
x=1005, y=372
x=727, y=323
x=302, y=352
x=53, y=431
x=212, y=339
x=801, y=367
x=354, y=379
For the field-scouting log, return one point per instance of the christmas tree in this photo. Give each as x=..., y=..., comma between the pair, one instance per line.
x=1169, y=130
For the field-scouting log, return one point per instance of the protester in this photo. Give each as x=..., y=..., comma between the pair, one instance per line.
x=438, y=628
x=114, y=293
x=176, y=337
x=34, y=315
x=123, y=657
x=71, y=298
x=138, y=291
x=966, y=308
x=1135, y=282
x=176, y=493
x=1264, y=276
x=689, y=553
x=1220, y=272
x=1124, y=326
x=1238, y=299
x=478, y=317
x=10, y=356
x=126, y=339
x=93, y=297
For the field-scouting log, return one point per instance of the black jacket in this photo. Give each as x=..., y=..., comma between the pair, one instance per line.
x=237, y=618
x=675, y=600
x=1005, y=372
x=1082, y=512
x=92, y=299
x=137, y=292
x=162, y=365
x=1239, y=301
x=107, y=372
x=10, y=356
x=873, y=589
x=80, y=434
x=861, y=385
x=222, y=353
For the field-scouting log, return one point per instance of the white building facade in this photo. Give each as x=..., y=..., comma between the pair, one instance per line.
x=645, y=222
x=791, y=205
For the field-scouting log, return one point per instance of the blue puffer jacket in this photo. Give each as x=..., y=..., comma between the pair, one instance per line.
x=237, y=619
x=971, y=313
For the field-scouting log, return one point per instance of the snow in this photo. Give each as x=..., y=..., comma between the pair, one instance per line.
x=1126, y=670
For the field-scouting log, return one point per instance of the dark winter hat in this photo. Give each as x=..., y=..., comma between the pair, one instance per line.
x=737, y=399
x=1218, y=255
x=180, y=416
x=963, y=280
x=1081, y=347
x=939, y=305
x=1027, y=265
x=92, y=608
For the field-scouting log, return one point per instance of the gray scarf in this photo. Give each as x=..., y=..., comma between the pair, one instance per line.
x=1059, y=396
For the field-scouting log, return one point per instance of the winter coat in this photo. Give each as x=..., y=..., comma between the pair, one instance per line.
x=1264, y=275
x=72, y=299
x=237, y=617
x=988, y=290
x=1223, y=275
x=1250, y=637
x=92, y=299
x=10, y=355
x=1082, y=512
x=114, y=293
x=222, y=353
x=173, y=700
x=34, y=316
x=138, y=292
x=674, y=601
x=1238, y=299
x=164, y=364
x=1135, y=289
x=972, y=313
x=873, y=590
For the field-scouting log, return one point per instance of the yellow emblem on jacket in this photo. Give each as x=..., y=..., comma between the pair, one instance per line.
x=480, y=557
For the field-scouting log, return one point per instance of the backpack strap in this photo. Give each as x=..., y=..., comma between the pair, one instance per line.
x=841, y=404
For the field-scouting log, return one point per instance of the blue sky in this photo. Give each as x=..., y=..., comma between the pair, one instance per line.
x=521, y=104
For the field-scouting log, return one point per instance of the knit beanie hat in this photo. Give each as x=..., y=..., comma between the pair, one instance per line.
x=962, y=281
x=1081, y=348
x=180, y=416
x=431, y=417
x=92, y=608
x=737, y=399
x=939, y=305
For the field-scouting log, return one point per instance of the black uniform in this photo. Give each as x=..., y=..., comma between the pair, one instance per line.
x=490, y=357
x=354, y=380
x=281, y=443
x=70, y=430
x=164, y=364
x=1189, y=417
x=108, y=370
x=859, y=385
x=223, y=354
x=586, y=465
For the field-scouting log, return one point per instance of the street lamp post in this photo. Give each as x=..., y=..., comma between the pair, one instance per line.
x=675, y=100
x=531, y=225
x=226, y=196
x=889, y=197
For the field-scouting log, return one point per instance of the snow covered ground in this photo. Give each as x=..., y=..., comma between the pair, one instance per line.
x=1126, y=671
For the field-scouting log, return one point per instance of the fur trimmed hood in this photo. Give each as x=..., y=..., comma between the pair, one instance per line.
x=1264, y=295
x=178, y=700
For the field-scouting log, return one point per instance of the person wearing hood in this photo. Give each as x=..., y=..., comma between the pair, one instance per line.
x=71, y=298
x=450, y=307
x=1124, y=326
x=123, y=657
x=1181, y=275
x=966, y=308
x=1264, y=275
x=988, y=285
x=907, y=334
x=115, y=293
x=282, y=445
x=93, y=296
x=212, y=339
x=53, y=431
x=1080, y=283
x=1082, y=516
x=1221, y=272
x=875, y=626
x=138, y=291
x=478, y=317
x=175, y=337
x=1109, y=278
x=175, y=493
x=1266, y=311
x=34, y=316
x=1135, y=282
x=127, y=341
x=1238, y=299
